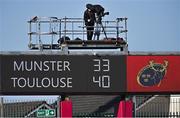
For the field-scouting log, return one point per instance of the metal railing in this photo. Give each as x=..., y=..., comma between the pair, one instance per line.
x=94, y=106
x=157, y=106
x=48, y=30
x=21, y=107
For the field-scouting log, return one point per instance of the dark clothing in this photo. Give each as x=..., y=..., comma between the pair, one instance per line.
x=89, y=15
x=89, y=18
x=99, y=10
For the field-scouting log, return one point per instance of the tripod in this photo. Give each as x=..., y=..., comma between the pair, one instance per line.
x=98, y=27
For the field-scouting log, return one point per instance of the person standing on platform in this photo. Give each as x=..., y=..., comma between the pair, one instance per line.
x=89, y=18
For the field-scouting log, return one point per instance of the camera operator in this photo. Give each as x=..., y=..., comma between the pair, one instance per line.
x=89, y=18
x=99, y=12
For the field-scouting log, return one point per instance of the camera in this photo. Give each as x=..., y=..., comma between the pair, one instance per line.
x=105, y=13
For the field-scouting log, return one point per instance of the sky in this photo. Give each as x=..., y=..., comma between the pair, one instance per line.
x=153, y=25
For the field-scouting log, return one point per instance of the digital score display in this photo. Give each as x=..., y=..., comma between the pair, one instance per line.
x=56, y=74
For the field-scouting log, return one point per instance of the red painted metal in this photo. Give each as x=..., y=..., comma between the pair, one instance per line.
x=170, y=81
x=125, y=109
x=66, y=109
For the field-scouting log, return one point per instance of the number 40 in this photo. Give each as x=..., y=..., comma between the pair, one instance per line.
x=103, y=81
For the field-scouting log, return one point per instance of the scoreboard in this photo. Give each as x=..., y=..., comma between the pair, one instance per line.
x=46, y=74
x=56, y=74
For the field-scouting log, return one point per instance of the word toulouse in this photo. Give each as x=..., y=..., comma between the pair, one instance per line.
x=42, y=66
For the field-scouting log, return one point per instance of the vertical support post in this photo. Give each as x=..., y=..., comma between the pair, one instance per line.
x=30, y=34
x=83, y=29
x=105, y=26
x=65, y=27
x=66, y=108
x=58, y=106
x=59, y=28
x=72, y=30
x=125, y=109
x=117, y=28
x=1, y=107
x=39, y=36
x=51, y=31
x=125, y=28
x=134, y=101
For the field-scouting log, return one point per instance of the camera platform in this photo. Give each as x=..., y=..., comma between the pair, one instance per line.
x=52, y=33
x=84, y=44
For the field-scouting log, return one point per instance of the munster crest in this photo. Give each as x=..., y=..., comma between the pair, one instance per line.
x=152, y=74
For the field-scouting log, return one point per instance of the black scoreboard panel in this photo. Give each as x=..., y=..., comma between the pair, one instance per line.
x=56, y=74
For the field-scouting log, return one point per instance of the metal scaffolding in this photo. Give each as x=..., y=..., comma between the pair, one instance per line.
x=54, y=33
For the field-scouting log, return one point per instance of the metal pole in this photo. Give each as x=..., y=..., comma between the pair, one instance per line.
x=1, y=107
x=36, y=32
x=134, y=101
x=126, y=28
x=72, y=30
x=30, y=36
x=51, y=31
x=59, y=28
x=58, y=106
x=83, y=29
x=65, y=28
x=39, y=34
x=117, y=28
